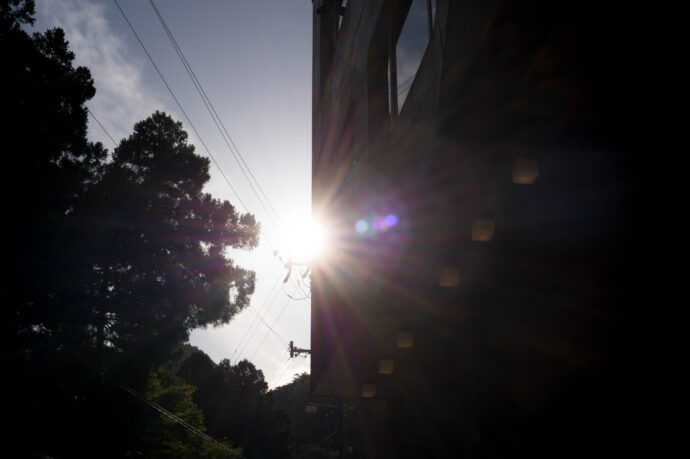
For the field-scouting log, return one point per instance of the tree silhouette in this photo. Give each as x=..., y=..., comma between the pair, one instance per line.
x=165, y=438
x=45, y=141
x=156, y=249
x=237, y=405
x=113, y=258
x=119, y=257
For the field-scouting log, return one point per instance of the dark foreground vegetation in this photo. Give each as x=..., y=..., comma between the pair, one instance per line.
x=114, y=258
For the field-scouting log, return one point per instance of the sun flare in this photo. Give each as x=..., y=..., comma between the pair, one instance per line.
x=304, y=240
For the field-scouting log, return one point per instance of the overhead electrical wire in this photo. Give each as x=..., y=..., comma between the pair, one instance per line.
x=282, y=370
x=229, y=142
x=179, y=105
x=270, y=328
x=102, y=127
x=216, y=119
x=303, y=286
x=163, y=411
x=273, y=325
x=326, y=438
x=173, y=417
x=292, y=297
x=257, y=315
x=200, y=88
x=279, y=366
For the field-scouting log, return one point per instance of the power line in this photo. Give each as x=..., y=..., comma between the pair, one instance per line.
x=216, y=118
x=280, y=366
x=183, y=111
x=200, y=89
x=274, y=323
x=220, y=126
x=303, y=287
x=257, y=315
x=270, y=328
x=318, y=444
x=173, y=417
x=282, y=370
x=304, y=298
x=283, y=366
x=102, y=127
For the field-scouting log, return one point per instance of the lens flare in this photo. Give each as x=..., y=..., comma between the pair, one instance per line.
x=304, y=240
x=380, y=224
x=361, y=226
x=375, y=224
x=391, y=220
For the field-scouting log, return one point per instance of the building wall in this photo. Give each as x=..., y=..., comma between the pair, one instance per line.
x=519, y=341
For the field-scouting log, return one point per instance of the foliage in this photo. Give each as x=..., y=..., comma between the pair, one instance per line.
x=13, y=13
x=161, y=268
x=165, y=438
x=45, y=141
x=114, y=258
x=237, y=405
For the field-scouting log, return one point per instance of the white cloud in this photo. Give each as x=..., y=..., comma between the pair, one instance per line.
x=121, y=98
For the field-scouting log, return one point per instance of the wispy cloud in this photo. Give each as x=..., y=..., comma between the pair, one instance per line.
x=121, y=98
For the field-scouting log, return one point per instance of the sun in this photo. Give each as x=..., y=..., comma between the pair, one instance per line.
x=304, y=240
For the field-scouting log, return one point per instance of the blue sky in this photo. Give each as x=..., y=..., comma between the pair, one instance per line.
x=253, y=58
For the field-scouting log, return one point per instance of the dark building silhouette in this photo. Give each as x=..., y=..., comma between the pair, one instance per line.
x=473, y=160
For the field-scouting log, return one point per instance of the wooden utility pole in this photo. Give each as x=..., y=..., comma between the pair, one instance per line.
x=295, y=351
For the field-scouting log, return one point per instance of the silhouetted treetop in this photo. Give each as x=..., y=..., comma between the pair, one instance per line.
x=113, y=261
x=118, y=258
x=162, y=242
x=237, y=405
x=13, y=13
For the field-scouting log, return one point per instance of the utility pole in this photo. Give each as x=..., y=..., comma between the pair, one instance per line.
x=289, y=263
x=295, y=351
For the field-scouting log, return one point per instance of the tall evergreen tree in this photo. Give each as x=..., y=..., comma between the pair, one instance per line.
x=157, y=246
x=46, y=149
x=237, y=405
x=164, y=437
x=113, y=258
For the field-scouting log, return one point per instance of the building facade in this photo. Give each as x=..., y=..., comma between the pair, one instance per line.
x=472, y=162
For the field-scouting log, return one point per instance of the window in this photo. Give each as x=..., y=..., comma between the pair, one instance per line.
x=341, y=12
x=410, y=42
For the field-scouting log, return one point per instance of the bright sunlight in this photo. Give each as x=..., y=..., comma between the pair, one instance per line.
x=303, y=240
